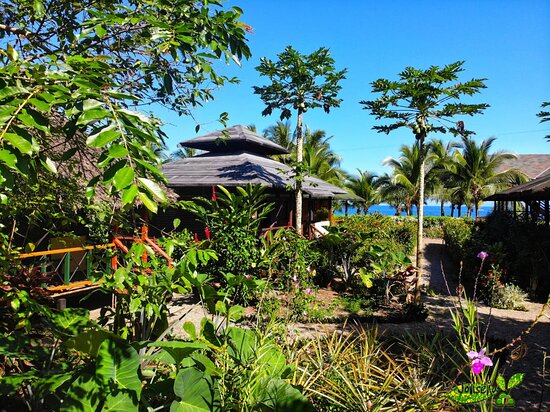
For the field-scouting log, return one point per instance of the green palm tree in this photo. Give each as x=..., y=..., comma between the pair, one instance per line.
x=475, y=174
x=406, y=175
x=442, y=160
x=282, y=134
x=365, y=186
x=320, y=160
x=392, y=193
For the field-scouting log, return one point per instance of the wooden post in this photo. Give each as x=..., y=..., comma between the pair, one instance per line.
x=547, y=212
x=89, y=264
x=67, y=268
x=144, y=236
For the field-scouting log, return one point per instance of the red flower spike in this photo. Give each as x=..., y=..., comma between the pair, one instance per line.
x=196, y=238
x=214, y=197
x=207, y=232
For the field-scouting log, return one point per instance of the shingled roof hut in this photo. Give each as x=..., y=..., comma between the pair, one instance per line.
x=237, y=156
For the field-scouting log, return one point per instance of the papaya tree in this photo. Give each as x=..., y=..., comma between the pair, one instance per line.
x=426, y=102
x=299, y=83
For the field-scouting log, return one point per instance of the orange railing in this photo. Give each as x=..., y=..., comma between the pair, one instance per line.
x=73, y=268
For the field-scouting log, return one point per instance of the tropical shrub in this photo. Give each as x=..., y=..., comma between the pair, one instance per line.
x=520, y=250
x=232, y=224
x=64, y=361
x=457, y=233
x=509, y=296
x=377, y=226
x=433, y=226
x=291, y=259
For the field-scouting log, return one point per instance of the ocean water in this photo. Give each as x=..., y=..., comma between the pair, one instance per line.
x=429, y=210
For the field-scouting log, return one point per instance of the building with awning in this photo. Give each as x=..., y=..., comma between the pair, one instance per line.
x=529, y=201
x=237, y=156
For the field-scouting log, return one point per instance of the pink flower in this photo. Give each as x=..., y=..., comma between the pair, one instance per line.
x=295, y=279
x=247, y=276
x=214, y=197
x=307, y=291
x=479, y=361
x=483, y=255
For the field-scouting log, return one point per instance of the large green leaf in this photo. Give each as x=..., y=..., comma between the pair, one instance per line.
x=118, y=363
x=70, y=321
x=12, y=91
x=129, y=195
x=120, y=400
x=278, y=395
x=20, y=143
x=149, y=204
x=82, y=396
x=92, y=115
x=153, y=188
x=177, y=350
x=104, y=136
x=197, y=392
x=123, y=177
x=8, y=158
x=89, y=341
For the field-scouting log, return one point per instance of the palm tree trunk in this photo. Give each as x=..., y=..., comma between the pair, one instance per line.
x=299, y=160
x=346, y=208
x=442, y=208
x=420, y=225
x=452, y=210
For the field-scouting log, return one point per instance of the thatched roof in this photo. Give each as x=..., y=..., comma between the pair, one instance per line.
x=533, y=165
x=83, y=164
x=239, y=168
x=233, y=139
x=536, y=189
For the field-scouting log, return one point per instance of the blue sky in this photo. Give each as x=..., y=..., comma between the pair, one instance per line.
x=507, y=42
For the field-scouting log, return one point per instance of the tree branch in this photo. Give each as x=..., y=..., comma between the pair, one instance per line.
x=15, y=30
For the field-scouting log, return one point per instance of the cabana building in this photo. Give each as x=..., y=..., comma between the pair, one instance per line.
x=236, y=156
x=528, y=202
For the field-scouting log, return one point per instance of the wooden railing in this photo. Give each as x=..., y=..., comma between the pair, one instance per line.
x=73, y=268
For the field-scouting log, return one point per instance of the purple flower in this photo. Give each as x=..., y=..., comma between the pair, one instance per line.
x=247, y=276
x=307, y=291
x=483, y=255
x=295, y=279
x=479, y=361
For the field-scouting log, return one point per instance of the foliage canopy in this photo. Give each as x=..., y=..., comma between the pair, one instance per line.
x=73, y=76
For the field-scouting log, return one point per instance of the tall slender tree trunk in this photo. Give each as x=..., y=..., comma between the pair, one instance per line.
x=420, y=226
x=452, y=210
x=299, y=160
x=442, y=208
x=346, y=208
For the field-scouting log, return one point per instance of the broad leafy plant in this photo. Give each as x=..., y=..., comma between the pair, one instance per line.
x=233, y=220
